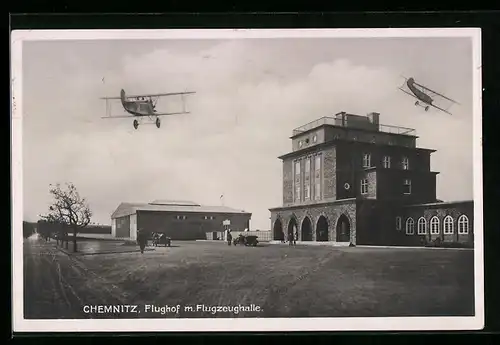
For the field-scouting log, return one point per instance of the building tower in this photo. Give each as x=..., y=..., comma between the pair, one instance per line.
x=346, y=178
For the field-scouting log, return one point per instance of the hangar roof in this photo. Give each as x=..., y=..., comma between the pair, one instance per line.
x=126, y=209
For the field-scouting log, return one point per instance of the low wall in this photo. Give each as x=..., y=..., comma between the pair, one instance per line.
x=262, y=236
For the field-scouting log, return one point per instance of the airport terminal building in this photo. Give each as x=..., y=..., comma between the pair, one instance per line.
x=180, y=220
x=352, y=180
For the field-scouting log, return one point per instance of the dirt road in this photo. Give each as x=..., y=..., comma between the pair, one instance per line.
x=60, y=286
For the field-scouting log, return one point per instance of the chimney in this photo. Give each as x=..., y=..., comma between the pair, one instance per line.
x=374, y=118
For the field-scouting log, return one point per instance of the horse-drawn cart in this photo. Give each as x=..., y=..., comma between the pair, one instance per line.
x=250, y=240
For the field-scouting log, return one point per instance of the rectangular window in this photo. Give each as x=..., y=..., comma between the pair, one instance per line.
x=297, y=181
x=407, y=186
x=387, y=162
x=308, y=166
x=317, y=190
x=317, y=177
x=307, y=190
x=406, y=163
x=364, y=186
x=366, y=160
x=297, y=192
x=307, y=179
x=398, y=223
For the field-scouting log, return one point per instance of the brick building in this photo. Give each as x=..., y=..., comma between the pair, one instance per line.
x=351, y=179
x=180, y=220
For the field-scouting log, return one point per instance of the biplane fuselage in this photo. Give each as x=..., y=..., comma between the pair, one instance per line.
x=419, y=94
x=140, y=107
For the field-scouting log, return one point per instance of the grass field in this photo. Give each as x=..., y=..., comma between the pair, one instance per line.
x=283, y=281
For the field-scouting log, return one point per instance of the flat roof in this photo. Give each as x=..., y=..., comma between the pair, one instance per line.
x=126, y=209
x=330, y=121
x=332, y=142
x=442, y=203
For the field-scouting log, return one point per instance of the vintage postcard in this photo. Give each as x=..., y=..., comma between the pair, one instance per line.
x=247, y=180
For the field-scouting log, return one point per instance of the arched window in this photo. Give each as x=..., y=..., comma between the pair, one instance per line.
x=463, y=225
x=422, y=226
x=434, y=226
x=410, y=226
x=448, y=225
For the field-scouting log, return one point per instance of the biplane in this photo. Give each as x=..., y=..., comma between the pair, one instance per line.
x=143, y=106
x=425, y=97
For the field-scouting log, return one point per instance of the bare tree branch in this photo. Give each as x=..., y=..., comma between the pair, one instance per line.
x=68, y=208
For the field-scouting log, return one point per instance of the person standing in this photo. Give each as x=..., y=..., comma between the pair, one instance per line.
x=142, y=239
x=229, y=237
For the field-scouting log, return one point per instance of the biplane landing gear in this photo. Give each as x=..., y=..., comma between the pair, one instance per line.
x=416, y=103
x=426, y=108
x=136, y=124
x=158, y=123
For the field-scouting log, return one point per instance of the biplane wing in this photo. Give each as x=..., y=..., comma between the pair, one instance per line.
x=446, y=111
x=153, y=95
x=435, y=93
x=162, y=94
x=409, y=93
x=145, y=115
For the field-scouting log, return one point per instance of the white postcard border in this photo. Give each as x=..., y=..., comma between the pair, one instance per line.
x=241, y=324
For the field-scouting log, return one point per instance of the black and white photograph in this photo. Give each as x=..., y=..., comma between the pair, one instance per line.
x=247, y=180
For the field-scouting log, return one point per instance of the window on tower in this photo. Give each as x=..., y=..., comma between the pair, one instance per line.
x=366, y=160
x=406, y=163
x=387, y=162
x=317, y=177
x=407, y=186
x=297, y=180
x=307, y=180
x=364, y=186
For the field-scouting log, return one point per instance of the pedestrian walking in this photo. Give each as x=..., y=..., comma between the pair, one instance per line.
x=142, y=239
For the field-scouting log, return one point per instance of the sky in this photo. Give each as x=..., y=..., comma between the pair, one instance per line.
x=250, y=95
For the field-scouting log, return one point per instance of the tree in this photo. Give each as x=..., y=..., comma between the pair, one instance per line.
x=28, y=229
x=68, y=209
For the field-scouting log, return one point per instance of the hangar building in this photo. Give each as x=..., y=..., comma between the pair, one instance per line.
x=181, y=220
x=353, y=180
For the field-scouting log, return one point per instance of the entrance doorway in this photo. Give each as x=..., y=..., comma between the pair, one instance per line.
x=306, y=230
x=278, y=231
x=292, y=227
x=343, y=229
x=322, y=230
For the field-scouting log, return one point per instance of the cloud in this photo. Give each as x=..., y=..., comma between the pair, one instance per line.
x=241, y=117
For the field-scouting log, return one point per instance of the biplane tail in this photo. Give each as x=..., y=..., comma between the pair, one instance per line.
x=123, y=97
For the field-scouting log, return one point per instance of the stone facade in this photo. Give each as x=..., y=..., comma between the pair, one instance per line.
x=306, y=219
x=349, y=179
x=446, y=221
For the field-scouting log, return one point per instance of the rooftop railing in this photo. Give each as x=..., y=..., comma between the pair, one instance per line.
x=336, y=121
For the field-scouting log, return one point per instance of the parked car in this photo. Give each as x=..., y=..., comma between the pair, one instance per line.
x=250, y=240
x=160, y=238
